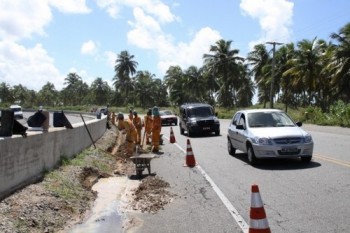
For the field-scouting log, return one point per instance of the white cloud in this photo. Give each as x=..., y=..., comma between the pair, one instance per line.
x=70, y=6
x=275, y=18
x=30, y=67
x=89, y=48
x=110, y=57
x=111, y=6
x=146, y=33
x=145, y=30
x=187, y=54
x=156, y=8
x=21, y=18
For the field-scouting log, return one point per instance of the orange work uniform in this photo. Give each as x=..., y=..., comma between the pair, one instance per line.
x=148, y=128
x=156, y=128
x=138, y=125
x=127, y=127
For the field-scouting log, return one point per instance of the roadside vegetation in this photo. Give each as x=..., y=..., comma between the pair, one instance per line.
x=339, y=114
x=309, y=79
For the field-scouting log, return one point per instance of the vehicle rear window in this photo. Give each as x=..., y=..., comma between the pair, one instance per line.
x=200, y=111
x=16, y=109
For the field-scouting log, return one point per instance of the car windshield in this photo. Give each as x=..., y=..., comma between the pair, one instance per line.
x=200, y=111
x=269, y=119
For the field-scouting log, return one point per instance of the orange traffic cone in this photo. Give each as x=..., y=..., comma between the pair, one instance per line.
x=258, y=220
x=172, y=137
x=190, y=160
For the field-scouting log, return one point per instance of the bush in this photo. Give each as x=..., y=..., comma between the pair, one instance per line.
x=339, y=114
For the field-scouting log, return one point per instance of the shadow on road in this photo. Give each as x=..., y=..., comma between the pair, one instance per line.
x=279, y=164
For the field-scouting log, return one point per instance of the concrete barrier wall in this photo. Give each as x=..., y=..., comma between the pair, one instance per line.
x=23, y=160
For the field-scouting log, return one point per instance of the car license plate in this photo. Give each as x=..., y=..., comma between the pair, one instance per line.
x=206, y=128
x=289, y=149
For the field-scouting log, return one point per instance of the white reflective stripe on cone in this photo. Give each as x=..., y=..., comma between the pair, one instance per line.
x=256, y=200
x=259, y=224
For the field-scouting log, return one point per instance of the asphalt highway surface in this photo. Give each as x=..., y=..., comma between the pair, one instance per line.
x=216, y=194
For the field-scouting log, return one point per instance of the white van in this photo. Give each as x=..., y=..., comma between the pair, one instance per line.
x=17, y=111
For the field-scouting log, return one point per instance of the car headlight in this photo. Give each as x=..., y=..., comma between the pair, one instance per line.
x=262, y=141
x=193, y=122
x=307, y=138
x=216, y=121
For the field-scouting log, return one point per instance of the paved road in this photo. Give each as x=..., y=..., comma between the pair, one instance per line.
x=298, y=197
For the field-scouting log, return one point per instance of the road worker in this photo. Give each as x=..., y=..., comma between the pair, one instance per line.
x=128, y=128
x=156, y=128
x=137, y=121
x=148, y=120
x=131, y=115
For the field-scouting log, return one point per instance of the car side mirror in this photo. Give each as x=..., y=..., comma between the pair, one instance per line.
x=240, y=127
x=299, y=123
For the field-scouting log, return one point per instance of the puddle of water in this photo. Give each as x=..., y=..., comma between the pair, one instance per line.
x=104, y=215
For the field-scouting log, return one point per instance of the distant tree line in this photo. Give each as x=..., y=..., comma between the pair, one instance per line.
x=309, y=73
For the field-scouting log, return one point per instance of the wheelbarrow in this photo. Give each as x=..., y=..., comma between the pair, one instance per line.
x=141, y=162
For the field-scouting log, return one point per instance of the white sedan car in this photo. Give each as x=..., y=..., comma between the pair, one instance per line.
x=268, y=133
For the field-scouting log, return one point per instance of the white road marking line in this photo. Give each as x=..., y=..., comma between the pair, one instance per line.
x=233, y=211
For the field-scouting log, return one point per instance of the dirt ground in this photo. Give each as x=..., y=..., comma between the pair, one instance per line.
x=53, y=206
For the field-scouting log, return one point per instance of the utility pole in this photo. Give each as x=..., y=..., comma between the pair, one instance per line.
x=273, y=70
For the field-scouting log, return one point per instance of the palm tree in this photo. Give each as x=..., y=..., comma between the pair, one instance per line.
x=211, y=85
x=20, y=94
x=76, y=91
x=283, y=55
x=174, y=81
x=225, y=64
x=143, y=88
x=306, y=67
x=246, y=91
x=194, y=84
x=125, y=66
x=259, y=59
x=100, y=92
x=341, y=79
x=5, y=93
x=324, y=94
x=48, y=95
x=159, y=91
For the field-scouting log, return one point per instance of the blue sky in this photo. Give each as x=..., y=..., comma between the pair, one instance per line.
x=44, y=40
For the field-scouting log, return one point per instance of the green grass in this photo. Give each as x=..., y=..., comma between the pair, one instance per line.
x=69, y=187
x=339, y=114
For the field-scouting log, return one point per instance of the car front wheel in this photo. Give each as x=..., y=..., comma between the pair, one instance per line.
x=189, y=132
x=182, y=131
x=251, y=156
x=230, y=148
